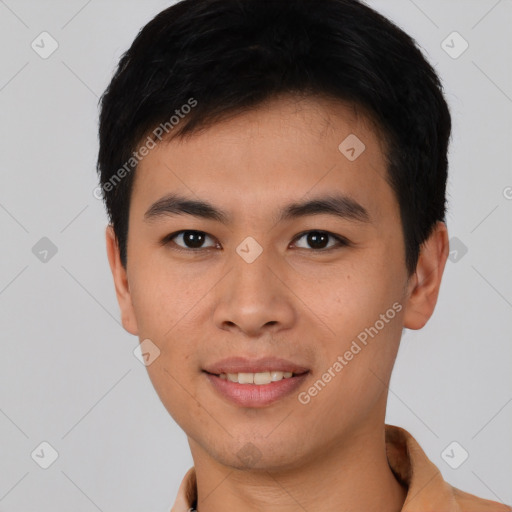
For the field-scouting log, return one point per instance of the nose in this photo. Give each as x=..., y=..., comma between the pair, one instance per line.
x=254, y=298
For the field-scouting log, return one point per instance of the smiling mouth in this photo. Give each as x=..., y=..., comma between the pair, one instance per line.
x=259, y=379
x=258, y=389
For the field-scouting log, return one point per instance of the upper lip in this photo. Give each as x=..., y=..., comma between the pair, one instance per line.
x=245, y=365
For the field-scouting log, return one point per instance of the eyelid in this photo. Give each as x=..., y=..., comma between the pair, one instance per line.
x=342, y=241
x=169, y=238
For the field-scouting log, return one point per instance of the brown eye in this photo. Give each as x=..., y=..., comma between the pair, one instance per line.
x=190, y=239
x=319, y=240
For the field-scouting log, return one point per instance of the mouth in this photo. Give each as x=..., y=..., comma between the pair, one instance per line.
x=258, y=378
x=256, y=367
x=254, y=384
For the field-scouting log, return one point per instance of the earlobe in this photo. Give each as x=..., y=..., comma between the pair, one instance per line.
x=120, y=282
x=425, y=283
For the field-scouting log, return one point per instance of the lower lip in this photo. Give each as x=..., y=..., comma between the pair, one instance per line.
x=255, y=395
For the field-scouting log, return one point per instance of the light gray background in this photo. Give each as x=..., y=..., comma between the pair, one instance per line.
x=68, y=375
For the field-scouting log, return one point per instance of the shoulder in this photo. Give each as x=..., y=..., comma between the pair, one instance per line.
x=471, y=503
x=427, y=489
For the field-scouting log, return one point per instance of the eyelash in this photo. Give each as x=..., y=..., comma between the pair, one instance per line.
x=341, y=241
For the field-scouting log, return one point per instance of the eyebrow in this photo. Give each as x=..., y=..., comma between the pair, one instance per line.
x=338, y=205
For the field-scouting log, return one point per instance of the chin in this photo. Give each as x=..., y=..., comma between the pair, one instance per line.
x=259, y=454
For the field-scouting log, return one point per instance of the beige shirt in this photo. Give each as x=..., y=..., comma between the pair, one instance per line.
x=427, y=491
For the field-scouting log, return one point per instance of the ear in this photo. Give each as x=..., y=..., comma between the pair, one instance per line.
x=424, y=284
x=121, y=282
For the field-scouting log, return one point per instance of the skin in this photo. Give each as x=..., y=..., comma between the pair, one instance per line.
x=293, y=301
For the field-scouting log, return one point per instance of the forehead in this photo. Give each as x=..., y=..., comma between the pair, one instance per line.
x=285, y=148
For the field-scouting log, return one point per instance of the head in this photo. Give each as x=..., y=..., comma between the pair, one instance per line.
x=275, y=175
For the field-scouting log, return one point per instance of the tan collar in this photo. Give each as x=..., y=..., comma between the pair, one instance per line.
x=426, y=488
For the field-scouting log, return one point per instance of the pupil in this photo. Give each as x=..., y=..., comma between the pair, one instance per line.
x=193, y=239
x=317, y=240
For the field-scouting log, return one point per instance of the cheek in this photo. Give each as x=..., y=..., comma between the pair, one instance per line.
x=174, y=390
x=163, y=296
x=350, y=297
x=362, y=307
x=356, y=366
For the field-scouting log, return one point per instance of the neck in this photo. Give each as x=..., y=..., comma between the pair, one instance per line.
x=350, y=475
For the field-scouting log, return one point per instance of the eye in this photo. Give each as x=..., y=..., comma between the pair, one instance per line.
x=192, y=240
x=319, y=240
x=189, y=240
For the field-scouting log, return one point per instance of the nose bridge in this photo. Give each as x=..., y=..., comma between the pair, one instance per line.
x=252, y=297
x=251, y=257
x=251, y=275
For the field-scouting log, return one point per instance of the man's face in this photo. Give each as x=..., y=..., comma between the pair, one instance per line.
x=204, y=297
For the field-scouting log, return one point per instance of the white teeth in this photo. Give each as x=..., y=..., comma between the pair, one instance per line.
x=276, y=375
x=246, y=378
x=256, y=378
x=262, y=378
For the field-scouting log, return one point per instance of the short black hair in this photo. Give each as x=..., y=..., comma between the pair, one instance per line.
x=199, y=61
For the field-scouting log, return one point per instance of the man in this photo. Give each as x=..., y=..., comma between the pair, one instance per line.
x=275, y=174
